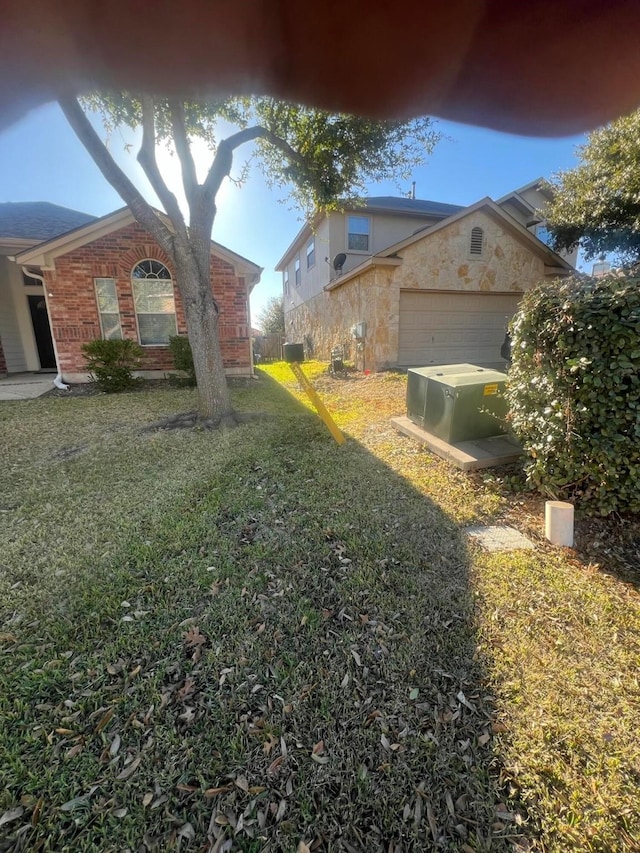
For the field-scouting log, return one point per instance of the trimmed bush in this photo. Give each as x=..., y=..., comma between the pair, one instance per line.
x=574, y=390
x=183, y=357
x=111, y=363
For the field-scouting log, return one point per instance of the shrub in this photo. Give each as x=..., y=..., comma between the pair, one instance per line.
x=110, y=363
x=183, y=357
x=574, y=390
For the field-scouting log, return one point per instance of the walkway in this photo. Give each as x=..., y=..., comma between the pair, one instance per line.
x=25, y=386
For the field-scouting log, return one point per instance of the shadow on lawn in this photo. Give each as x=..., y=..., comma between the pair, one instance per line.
x=311, y=677
x=612, y=543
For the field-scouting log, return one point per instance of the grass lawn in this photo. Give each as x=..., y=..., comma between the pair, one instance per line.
x=256, y=640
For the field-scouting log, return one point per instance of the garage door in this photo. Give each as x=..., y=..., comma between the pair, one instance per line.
x=446, y=328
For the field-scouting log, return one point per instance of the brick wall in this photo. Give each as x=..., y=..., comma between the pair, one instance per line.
x=74, y=312
x=3, y=363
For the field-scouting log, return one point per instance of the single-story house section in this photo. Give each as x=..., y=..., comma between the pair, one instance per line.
x=442, y=295
x=107, y=278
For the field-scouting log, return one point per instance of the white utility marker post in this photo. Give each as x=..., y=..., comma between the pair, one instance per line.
x=558, y=523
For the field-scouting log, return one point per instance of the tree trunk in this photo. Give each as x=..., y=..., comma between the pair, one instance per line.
x=202, y=326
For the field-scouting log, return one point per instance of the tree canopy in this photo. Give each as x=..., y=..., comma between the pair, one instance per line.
x=598, y=202
x=320, y=157
x=271, y=318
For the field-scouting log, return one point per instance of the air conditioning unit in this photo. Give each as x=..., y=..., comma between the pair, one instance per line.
x=457, y=402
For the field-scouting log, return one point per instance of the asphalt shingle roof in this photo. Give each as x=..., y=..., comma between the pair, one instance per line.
x=39, y=220
x=412, y=205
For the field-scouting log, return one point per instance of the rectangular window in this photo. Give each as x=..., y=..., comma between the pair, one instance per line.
x=155, y=310
x=297, y=269
x=285, y=282
x=358, y=234
x=311, y=253
x=107, y=300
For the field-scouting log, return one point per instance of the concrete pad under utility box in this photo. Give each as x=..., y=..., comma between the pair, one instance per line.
x=466, y=455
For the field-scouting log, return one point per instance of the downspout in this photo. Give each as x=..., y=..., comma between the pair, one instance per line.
x=58, y=380
x=249, y=289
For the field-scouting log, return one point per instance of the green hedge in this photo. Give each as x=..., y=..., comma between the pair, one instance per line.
x=183, y=357
x=574, y=390
x=110, y=363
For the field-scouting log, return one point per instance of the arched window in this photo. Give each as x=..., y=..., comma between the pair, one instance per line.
x=476, y=243
x=154, y=304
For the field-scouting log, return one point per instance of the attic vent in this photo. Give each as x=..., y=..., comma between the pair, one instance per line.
x=477, y=241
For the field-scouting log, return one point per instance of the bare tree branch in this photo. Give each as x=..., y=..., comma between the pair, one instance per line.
x=147, y=159
x=221, y=166
x=183, y=149
x=139, y=206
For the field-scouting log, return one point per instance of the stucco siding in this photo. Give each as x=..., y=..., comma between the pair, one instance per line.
x=331, y=240
x=16, y=329
x=385, y=230
x=312, y=280
x=538, y=200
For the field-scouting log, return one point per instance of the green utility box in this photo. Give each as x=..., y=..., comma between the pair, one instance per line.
x=457, y=402
x=418, y=384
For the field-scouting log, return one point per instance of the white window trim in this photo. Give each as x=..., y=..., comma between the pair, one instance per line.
x=285, y=282
x=297, y=271
x=312, y=253
x=368, y=251
x=95, y=290
x=175, y=315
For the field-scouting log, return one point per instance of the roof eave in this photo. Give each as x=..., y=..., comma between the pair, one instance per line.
x=297, y=242
x=537, y=184
x=370, y=263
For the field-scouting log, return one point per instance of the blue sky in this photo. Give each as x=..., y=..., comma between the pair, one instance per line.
x=41, y=160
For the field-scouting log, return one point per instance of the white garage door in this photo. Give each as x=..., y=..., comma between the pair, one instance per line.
x=447, y=328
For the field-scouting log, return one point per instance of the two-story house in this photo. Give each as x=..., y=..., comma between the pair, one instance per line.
x=404, y=281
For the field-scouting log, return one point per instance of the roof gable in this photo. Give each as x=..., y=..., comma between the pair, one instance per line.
x=490, y=207
x=45, y=253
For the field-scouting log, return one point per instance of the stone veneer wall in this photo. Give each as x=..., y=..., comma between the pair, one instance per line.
x=74, y=314
x=326, y=320
x=439, y=261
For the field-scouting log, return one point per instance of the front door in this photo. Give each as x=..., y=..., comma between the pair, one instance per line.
x=42, y=332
